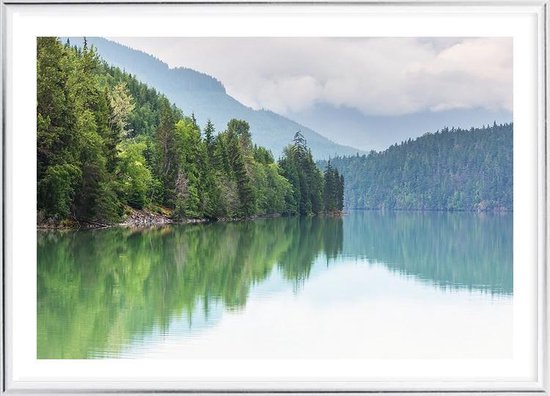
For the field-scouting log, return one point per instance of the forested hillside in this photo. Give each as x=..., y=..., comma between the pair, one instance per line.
x=203, y=95
x=452, y=169
x=107, y=143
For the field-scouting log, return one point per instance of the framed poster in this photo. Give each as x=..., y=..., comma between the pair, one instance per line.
x=288, y=197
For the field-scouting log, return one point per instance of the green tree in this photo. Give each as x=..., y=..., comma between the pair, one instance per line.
x=191, y=190
x=106, y=141
x=133, y=174
x=168, y=158
x=307, y=180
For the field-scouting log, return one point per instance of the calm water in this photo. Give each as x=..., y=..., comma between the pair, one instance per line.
x=370, y=285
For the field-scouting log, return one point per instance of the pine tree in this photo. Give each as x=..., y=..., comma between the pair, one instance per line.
x=168, y=158
x=106, y=141
x=209, y=138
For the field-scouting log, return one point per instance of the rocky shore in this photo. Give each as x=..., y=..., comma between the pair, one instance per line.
x=135, y=218
x=140, y=218
x=143, y=218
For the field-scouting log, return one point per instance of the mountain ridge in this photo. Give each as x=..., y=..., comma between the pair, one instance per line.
x=206, y=98
x=451, y=169
x=378, y=132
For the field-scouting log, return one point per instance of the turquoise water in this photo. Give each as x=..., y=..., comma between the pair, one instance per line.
x=368, y=285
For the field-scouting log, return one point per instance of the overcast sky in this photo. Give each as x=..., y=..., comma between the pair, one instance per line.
x=382, y=76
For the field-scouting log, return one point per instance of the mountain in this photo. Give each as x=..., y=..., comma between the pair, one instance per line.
x=452, y=169
x=205, y=97
x=378, y=132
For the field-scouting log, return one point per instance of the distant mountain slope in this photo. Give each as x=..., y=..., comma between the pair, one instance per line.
x=453, y=169
x=205, y=97
x=378, y=132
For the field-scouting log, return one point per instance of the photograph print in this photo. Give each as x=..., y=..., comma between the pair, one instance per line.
x=274, y=198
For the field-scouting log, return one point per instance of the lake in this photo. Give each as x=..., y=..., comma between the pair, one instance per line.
x=368, y=285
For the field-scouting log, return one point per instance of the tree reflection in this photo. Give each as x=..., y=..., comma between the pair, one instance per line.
x=101, y=290
x=448, y=249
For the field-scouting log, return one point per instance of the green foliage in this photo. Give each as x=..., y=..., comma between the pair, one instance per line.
x=263, y=155
x=106, y=141
x=122, y=105
x=242, y=130
x=168, y=155
x=56, y=189
x=76, y=147
x=209, y=138
x=190, y=190
x=207, y=96
x=452, y=169
x=134, y=177
x=307, y=181
x=333, y=189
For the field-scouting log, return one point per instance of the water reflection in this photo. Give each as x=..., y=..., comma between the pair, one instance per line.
x=99, y=291
x=448, y=249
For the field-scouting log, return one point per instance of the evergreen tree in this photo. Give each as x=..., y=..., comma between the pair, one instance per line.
x=237, y=135
x=168, y=157
x=107, y=141
x=191, y=159
x=452, y=169
x=209, y=138
x=58, y=159
x=307, y=180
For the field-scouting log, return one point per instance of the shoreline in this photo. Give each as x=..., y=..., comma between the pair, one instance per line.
x=147, y=219
x=139, y=218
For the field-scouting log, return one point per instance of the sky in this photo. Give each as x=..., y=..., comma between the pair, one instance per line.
x=376, y=76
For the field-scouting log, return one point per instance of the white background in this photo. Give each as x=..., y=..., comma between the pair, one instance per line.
x=25, y=23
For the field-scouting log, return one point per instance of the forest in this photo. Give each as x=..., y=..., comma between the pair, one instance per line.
x=452, y=169
x=107, y=143
x=205, y=96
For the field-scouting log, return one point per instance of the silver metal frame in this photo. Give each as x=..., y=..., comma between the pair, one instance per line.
x=543, y=278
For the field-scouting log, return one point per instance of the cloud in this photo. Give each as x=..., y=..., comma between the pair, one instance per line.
x=383, y=76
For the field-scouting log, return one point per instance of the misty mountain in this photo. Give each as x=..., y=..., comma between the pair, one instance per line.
x=205, y=97
x=378, y=132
